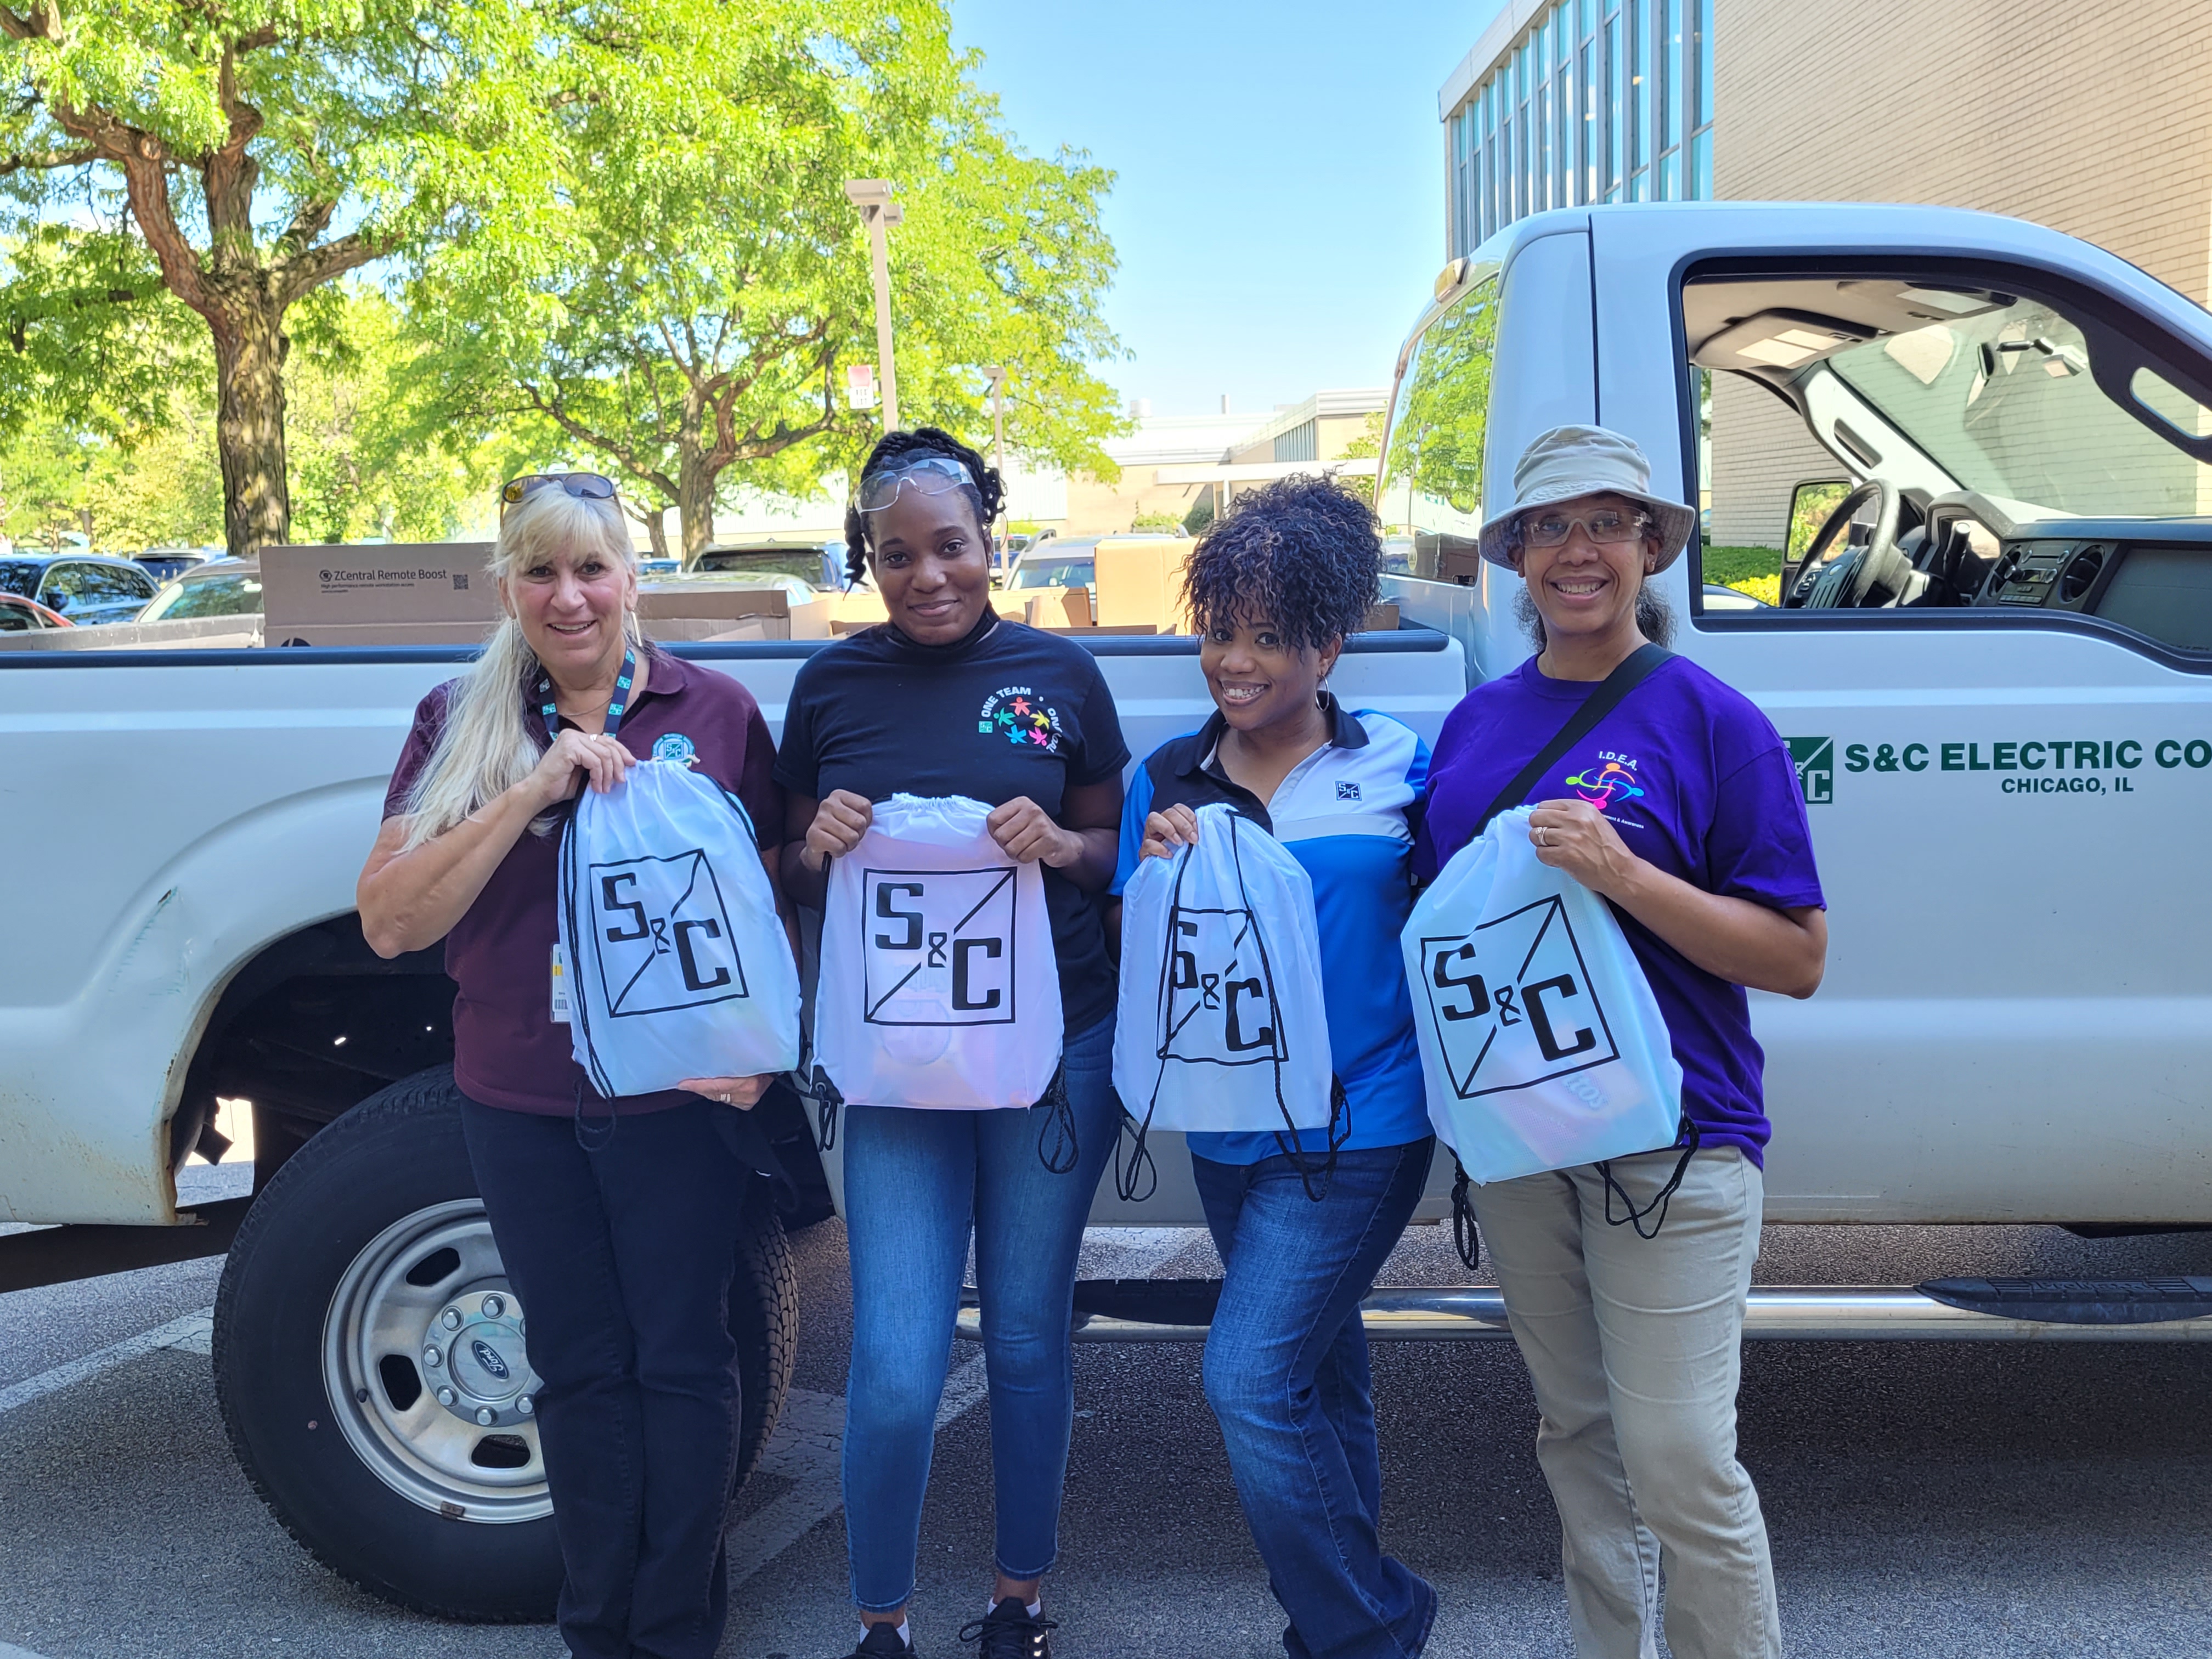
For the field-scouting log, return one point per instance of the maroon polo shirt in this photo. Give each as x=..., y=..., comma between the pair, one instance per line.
x=507, y=1050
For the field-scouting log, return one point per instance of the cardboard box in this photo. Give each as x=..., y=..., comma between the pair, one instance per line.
x=1382, y=619
x=1057, y=607
x=1141, y=582
x=690, y=602
x=371, y=634
x=441, y=584
x=759, y=626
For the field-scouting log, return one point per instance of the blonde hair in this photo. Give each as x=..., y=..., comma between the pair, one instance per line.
x=485, y=746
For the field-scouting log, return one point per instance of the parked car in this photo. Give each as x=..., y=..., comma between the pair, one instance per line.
x=220, y=588
x=1057, y=564
x=18, y=615
x=169, y=563
x=818, y=564
x=86, y=587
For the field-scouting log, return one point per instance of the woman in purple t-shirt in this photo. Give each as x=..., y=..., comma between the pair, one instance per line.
x=1682, y=808
x=618, y=1238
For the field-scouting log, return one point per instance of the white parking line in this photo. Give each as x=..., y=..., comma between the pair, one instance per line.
x=191, y=1332
x=810, y=1437
x=7, y=1650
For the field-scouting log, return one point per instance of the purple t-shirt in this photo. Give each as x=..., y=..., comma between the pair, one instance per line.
x=1696, y=782
x=507, y=1051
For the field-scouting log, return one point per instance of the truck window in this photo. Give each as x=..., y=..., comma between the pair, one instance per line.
x=1429, y=495
x=2004, y=448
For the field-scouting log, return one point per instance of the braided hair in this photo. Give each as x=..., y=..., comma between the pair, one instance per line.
x=1301, y=552
x=894, y=449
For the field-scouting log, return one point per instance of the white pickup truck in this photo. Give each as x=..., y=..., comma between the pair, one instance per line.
x=1995, y=669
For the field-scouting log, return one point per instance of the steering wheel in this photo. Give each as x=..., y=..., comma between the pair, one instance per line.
x=1844, y=582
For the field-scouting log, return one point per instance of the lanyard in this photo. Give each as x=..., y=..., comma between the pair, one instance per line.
x=615, y=707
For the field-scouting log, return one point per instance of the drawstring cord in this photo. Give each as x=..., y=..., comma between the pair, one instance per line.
x=1139, y=1165
x=594, y=1141
x=1059, y=1126
x=823, y=1093
x=1688, y=1132
x=1466, y=1238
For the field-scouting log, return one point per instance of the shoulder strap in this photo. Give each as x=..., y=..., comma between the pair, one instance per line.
x=1633, y=672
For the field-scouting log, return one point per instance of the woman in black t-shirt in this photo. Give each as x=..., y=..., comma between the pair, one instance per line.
x=909, y=707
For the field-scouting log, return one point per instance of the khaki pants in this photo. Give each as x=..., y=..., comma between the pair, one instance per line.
x=1634, y=1347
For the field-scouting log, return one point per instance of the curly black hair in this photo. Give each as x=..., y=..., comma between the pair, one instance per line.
x=1301, y=552
x=893, y=450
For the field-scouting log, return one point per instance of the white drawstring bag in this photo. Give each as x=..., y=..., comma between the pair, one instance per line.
x=1541, y=1044
x=678, y=962
x=939, y=987
x=1221, y=1025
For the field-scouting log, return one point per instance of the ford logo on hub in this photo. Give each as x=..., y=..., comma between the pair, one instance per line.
x=489, y=1357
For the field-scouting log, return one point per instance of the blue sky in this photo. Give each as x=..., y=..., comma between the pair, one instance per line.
x=1280, y=209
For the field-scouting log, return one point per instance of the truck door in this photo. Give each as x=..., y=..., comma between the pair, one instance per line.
x=1994, y=672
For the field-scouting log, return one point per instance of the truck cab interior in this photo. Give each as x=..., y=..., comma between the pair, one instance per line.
x=2005, y=450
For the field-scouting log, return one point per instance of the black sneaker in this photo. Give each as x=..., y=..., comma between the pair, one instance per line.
x=883, y=1642
x=1011, y=1632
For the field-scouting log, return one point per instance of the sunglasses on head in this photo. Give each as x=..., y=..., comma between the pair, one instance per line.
x=586, y=486
x=931, y=475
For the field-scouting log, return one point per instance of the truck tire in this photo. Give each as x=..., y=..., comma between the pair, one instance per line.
x=352, y=1263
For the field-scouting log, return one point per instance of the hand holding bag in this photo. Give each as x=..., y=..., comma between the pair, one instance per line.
x=1221, y=1025
x=939, y=986
x=680, y=966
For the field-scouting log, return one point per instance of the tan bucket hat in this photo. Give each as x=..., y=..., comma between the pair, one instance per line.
x=1569, y=461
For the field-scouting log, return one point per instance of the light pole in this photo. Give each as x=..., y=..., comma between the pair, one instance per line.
x=997, y=376
x=879, y=213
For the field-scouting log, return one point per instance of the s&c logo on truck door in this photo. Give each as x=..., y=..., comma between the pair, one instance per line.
x=1815, y=761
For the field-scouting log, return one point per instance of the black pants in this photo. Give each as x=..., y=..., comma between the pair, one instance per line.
x=623, y=1258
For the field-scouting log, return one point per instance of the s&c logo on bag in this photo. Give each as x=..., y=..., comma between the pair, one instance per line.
x=1220, y=1002
x=1511, y=1003
x=938, y=947
x=663, y=935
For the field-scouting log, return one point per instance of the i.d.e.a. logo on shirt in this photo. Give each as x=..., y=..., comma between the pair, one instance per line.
x=1017, y=713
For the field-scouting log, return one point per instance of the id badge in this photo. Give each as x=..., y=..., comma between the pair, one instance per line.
x=560, y=986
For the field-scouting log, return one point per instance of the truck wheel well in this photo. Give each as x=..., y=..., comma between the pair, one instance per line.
x=317, y=1022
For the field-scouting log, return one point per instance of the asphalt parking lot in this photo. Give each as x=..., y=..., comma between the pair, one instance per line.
x=1925, y=1499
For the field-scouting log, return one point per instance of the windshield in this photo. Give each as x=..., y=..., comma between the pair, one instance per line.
x=1051, y=572
x=237, y=595
x=2006, y=403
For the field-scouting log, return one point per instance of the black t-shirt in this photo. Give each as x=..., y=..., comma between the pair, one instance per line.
x=1007, y=711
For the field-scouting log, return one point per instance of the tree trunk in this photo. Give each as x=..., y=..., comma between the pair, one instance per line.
x=249, y=357
x=655, y=515
x=695, y=496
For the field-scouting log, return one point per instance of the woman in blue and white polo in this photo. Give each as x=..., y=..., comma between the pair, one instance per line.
x=1274, y=587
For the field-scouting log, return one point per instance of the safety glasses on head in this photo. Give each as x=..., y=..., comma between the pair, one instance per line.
x=927, y=475
x=586, y=486
x=1548, y=527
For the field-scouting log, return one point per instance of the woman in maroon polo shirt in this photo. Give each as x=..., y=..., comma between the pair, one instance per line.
x=619, y=1237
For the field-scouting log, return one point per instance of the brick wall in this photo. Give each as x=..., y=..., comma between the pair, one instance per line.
x=2093, y=119
x=1761, y=454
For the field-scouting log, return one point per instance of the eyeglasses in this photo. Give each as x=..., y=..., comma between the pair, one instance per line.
x=586, y=486
x=931, y=475
x=1606, y=525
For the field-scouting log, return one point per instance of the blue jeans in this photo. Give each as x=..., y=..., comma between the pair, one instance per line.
x=623, y=1258
x=1287, y=1375
x=916, y=1183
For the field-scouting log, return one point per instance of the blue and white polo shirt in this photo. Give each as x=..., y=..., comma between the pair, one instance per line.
x=1345, y=812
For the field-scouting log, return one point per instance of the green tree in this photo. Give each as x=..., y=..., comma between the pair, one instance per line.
x=219, y=145
x=689, y=314
x=1365, y=447
x=1436, y=447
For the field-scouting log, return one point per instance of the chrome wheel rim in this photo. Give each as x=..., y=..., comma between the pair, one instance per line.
x=456, y=1434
